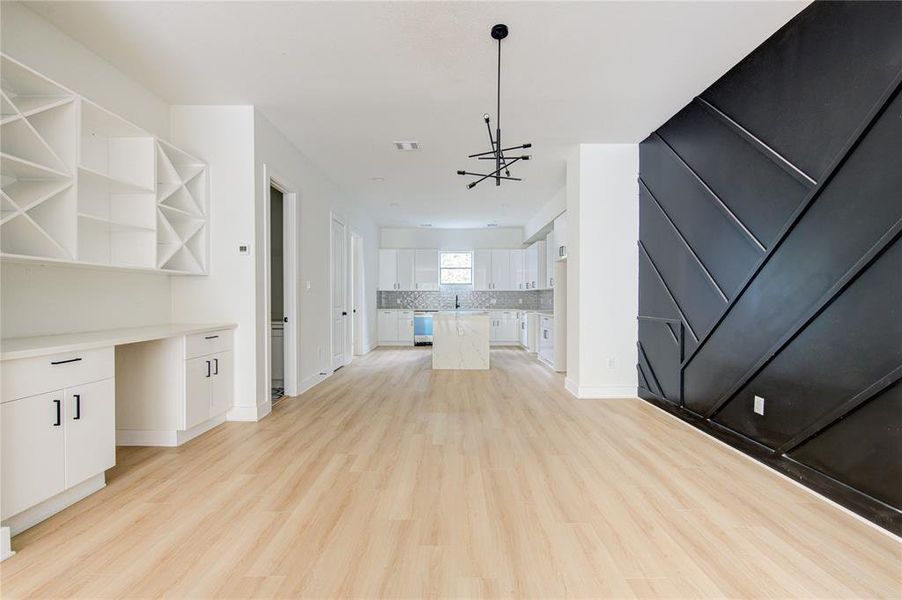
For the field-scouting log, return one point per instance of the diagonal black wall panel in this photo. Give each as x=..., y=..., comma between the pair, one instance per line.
x=802, y=144
x=804, y=91
x=854, y=211
x=694, y=293
x=853, y=343
x=706, y=227
x=736, y=170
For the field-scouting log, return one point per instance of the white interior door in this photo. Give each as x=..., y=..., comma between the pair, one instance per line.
x=339, y=297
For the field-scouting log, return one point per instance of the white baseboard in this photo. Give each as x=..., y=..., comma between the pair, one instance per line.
x=509, y=344
x=6, y=549
x=312, y=381
x=250, y=414
x=600, y=392
x=396, y=344
x=46, y=509
x=165, y=438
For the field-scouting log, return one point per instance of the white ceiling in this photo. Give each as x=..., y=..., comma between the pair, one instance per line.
x=344, y=80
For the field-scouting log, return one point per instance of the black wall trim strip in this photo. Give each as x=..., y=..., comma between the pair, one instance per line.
x=698, y=260
x=831, y=417
x=651, y=370
x=667, y=289
x=756, y=143
x=720, y=203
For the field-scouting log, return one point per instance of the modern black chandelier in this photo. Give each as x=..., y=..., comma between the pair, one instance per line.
x=502, y=162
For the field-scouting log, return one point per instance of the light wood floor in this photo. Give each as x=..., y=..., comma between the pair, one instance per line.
x=390, y=480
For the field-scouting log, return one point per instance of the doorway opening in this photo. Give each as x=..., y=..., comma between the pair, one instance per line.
x=281, y=244
x=277, y=291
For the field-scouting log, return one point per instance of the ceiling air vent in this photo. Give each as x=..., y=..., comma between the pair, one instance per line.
x=407, y=146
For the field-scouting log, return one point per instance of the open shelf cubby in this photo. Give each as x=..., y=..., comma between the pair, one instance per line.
x=82, y=185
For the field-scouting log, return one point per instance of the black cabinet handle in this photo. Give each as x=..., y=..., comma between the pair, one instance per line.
x=208, y=368
x=77, y=407
x=216, y=366
x=344, y=313
x=59, y=413
x=211, y=337
x=62, y=362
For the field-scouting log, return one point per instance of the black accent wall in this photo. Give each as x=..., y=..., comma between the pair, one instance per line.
x=771, y=256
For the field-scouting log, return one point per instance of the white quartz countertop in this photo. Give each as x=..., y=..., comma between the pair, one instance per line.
x=29, y=347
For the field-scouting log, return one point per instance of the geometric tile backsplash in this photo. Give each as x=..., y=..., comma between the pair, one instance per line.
x=469, y=299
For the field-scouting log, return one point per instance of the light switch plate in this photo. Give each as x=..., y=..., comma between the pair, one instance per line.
x=759, y=405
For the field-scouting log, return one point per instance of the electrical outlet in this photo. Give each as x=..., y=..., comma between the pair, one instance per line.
x=759, y=405
x=493, y=301
x=520, y=300
x=612, y=363
x=244, y=249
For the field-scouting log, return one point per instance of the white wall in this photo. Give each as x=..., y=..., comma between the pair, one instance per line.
x=602, y=270
x=319, y=199
x=451, y=239
x=32, y=40
x=539, y=224
x=44, y=299
x=224, y=137
x=38, y=299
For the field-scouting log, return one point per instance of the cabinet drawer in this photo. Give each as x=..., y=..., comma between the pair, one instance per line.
x=201, y=344
x=32, y=376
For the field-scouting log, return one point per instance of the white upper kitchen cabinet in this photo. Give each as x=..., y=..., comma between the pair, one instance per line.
x=388, y=269
x=406, y=260
x=550, y=255
x=396, y=269
x=518, y=269
x=560, y=236
x=482, y=270
x=501, y=270
x=535, y=265
x=426, y=270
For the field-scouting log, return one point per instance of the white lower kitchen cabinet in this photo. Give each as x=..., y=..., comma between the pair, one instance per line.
x=57, y=416
x=172, y=390
x=546, y=339
x=504, y=327
x=395, y=327
x=528, y=323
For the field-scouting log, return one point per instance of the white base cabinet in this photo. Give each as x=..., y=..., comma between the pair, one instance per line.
x=395, y=327
x=172, y=390
x=504, y=327
x=57, y=417
x=546, y=339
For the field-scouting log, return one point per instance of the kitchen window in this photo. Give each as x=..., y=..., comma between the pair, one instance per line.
x=456, y=268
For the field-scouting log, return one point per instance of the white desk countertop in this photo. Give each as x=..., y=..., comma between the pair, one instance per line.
x=42, y=345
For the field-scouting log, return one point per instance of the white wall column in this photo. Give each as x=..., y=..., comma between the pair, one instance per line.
x=602, y=270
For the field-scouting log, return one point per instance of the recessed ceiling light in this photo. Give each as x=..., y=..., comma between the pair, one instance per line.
x=407, y=146
x=425, y=224
x=378, y=179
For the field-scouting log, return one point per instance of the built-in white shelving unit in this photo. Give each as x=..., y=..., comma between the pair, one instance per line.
x=82, y=185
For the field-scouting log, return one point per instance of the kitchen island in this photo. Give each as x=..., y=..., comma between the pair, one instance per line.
x=460, y=339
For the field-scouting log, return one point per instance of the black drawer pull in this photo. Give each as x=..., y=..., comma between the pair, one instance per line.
x=208, y=368
x=216, y=366
x=62, y=362
x=77, y=407
x=211, y=337
x=59, y=413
